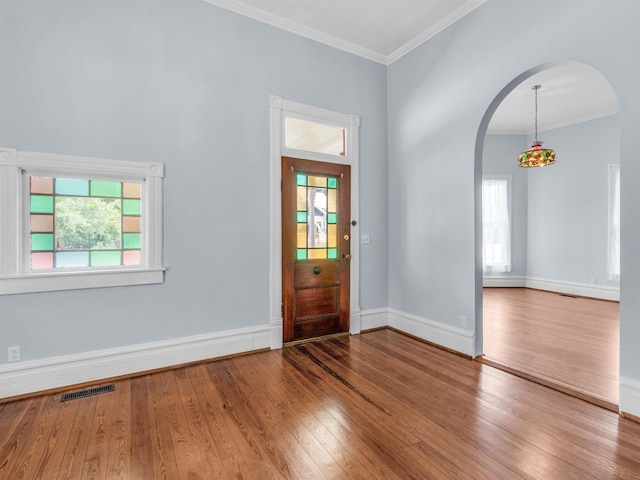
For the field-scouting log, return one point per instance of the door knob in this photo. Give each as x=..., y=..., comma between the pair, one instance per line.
x=317, y=270
x=347, y=256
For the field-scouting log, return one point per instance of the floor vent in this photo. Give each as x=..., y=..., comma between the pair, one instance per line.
x=87, y=393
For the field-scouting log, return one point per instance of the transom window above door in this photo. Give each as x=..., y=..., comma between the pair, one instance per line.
x=315, y=137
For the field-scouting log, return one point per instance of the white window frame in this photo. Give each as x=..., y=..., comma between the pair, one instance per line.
x=613, y=230
x=15, y=274
x=509, y=265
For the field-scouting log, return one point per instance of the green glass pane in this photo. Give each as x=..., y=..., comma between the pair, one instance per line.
x=332, y=182
x=106, y=258
x=332, y=218
x=131, y=240
x=130, y=207
x=332, y=253
x=301, y=179
x=301, y=217
x=41, y=242
x=41, y=204
x=72, y=186
x=99, y=188
x=301, y=254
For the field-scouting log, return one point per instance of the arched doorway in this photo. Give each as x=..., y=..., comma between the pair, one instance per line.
x=545, y=258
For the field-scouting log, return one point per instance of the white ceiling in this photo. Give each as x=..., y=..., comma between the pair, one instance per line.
x=380, y=30
x=385, y=30
x=569, y=94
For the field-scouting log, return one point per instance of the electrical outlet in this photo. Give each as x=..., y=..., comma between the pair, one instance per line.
x=463, y=321
x=365, y=240
x=593, y=280
x=14, y=353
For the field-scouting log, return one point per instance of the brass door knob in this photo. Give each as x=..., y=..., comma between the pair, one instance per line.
x=347, y=256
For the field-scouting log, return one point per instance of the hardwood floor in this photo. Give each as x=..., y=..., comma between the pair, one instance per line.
x=568, y=342
x=379, y=405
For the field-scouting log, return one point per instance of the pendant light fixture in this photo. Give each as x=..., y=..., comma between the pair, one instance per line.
x=537, y=156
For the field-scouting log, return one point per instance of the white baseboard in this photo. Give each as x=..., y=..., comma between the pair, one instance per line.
x=448, y=336
x=497, y=281
x=602, y=292
x=630, y=396
x=40, y=375
x=374, y=318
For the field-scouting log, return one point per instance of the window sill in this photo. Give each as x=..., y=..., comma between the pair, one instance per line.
x=48, y=282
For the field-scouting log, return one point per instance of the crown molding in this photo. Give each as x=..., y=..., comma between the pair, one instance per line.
x=548, y=128
x=298, y=29
x=332, y=41
x=446, y=22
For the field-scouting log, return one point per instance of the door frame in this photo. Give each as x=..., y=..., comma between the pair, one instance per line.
x=279, y=110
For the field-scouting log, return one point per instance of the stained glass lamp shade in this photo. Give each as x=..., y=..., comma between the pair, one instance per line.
x=536, y=156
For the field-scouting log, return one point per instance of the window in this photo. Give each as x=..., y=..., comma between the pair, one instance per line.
x=496, y=224
x=315, y=137
x=613, y=263
x=73, y=222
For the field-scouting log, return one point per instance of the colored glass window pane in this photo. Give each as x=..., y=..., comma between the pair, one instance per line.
x=106, y=258
x=130, y=224
x=301, y=235
x=131, y=240
x=41, y=241
x=130, y=207
x=332, y=182
x=332, y=253
x=41, y=204
x=41, y=223
x=332, y=200
x=301, y=179
x=301, y=217
x=131, y=257
x=131, y=190
x=315, y=181
x=72, y=259
x=99, y=188
x=332, y=218
x=301, y=201
x=42, y=185
x=71, y=186
x=301, y=253
x=332, y=235
x=41, y=260
x=317, y=253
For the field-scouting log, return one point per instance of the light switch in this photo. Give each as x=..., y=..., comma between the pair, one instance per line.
x=365, y=240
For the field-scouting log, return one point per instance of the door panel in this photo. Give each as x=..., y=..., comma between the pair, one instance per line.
x=315, y=248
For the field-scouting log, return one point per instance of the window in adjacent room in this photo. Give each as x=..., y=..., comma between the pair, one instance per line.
x=74, y=222
x=613, y=263
x=496, y=224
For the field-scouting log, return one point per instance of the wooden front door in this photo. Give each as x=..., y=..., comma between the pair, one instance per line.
x=316, y=198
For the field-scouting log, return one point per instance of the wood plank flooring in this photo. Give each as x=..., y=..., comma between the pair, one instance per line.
x=379, y=405
x=572, y=343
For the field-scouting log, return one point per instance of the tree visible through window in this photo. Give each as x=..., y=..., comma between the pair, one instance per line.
x=496, y=225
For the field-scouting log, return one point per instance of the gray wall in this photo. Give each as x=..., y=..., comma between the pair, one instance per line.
x=569, y=201
x=187, y=84
x=441, y=97
x=560, y=213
